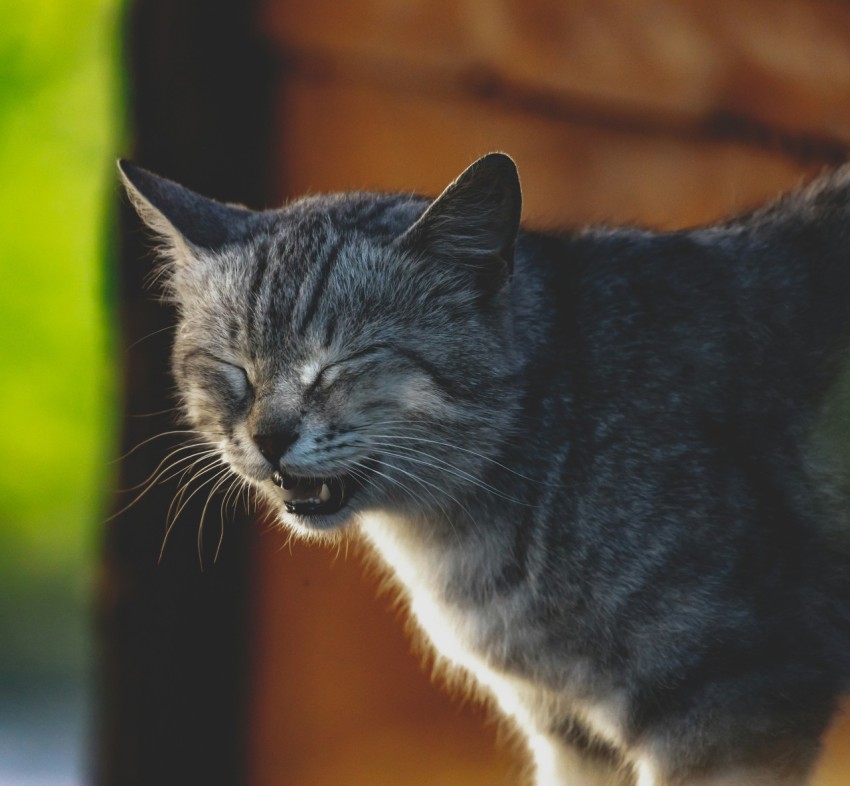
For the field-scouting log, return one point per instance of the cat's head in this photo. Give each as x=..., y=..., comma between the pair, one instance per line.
x=347, y=352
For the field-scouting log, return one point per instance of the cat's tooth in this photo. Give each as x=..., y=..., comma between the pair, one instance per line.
x=325, y=493
x=288, y=494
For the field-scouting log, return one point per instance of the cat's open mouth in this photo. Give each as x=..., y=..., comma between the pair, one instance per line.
x=314, y=496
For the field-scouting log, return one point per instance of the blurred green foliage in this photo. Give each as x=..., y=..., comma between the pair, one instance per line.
x=58, y=136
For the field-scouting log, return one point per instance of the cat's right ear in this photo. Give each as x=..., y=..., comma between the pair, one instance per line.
x=188, y=222
x=475, y=221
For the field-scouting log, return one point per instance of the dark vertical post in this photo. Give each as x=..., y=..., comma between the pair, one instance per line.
x=173, y=634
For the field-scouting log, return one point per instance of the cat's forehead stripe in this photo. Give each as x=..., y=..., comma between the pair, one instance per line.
x=262, y=255
x=296, y=260
x=319, y=282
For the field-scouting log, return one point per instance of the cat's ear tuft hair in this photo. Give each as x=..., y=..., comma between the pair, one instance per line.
x=186, y=220
x=475, y=220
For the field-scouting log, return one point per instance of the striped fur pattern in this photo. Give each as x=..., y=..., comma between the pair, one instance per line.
x=608, y=468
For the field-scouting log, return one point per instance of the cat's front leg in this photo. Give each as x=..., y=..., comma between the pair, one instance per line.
x=575, y=763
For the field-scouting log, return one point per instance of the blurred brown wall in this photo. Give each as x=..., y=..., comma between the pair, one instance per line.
x=668, y=113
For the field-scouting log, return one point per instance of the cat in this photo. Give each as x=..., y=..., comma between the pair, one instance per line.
x=608, y=467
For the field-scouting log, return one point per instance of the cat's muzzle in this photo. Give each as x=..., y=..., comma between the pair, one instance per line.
x=311, y=496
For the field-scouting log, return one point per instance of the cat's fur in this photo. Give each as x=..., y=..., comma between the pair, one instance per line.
x=608, y=467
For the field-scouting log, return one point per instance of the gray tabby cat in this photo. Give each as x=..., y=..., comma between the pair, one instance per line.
x=608, y=468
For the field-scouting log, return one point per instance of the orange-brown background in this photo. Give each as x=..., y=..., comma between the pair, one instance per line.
x=664, y=112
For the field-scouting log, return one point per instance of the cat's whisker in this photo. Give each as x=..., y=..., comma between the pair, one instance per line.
x=181, y=491
x=412, y=426
x=446, y=467
x=231, y=497
x=475, y=453
x=181, y=500
x=408, y=491
x=156, y=475
x=155, y=414
x=223, y=477
x=423, y=482
x=159, y=476
x=161, y=435
x=366, y=471
x=178, y=504
x=247, y=490
x=174, y=470
x=408, y=422
x=148, y=336
x=183, y=471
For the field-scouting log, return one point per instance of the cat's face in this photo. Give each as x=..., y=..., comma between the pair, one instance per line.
x=346, y=353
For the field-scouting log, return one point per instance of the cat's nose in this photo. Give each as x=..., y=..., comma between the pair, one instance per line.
x=274, y=445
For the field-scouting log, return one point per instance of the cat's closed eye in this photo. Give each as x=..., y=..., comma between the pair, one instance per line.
x=345, y=367
x=219, y=377
x=236, y=377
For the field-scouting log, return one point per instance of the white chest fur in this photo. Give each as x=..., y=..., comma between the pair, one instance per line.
x=463, y=636
x=421, y=569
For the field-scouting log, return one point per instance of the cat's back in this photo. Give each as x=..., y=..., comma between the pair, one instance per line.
x=703, y=378
x=753, y=312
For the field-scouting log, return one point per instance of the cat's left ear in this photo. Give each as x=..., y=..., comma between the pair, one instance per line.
x=475, y=221
x=189, y=223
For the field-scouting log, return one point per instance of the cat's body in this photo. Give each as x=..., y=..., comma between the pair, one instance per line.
x=612, y=484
